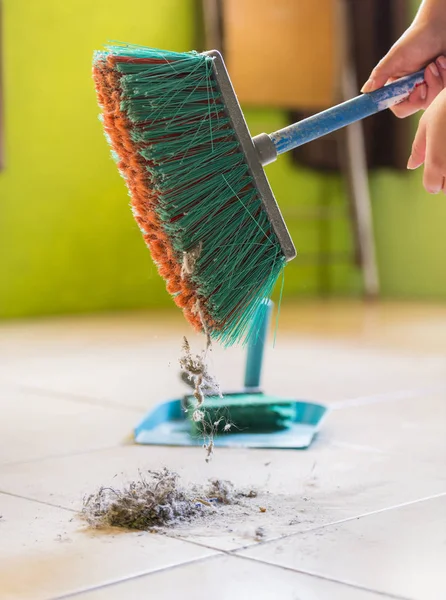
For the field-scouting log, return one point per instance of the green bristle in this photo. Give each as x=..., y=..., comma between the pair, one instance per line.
x=207, y=193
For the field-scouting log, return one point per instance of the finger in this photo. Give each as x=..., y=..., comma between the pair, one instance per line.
x=375, y=82
x=391, y=64
x=444, y=185
x=378, y=78
x=435, y=163
x=413, y=104
x=425, y=94
x=433, y=179
x=434, y=83
x=418, y=153
x=441, y=64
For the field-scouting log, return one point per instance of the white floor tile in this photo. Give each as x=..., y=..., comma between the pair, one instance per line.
x=134, y=362
x=400, y=551
x=136, y=375
x=410, y=426
x=38, y=425
x=44, y=553
x=334, y=370
x=300, y=490
x=72, y=389
x=224, y=578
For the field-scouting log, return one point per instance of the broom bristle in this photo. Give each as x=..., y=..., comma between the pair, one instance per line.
x=191, y=189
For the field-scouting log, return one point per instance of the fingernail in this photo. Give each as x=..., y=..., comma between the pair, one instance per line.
x=433, y=190
x=433, y=67
x=442, y=61
x=411, y=163
x=423, y=91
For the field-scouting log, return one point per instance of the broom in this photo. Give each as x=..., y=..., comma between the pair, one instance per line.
x=196, y=181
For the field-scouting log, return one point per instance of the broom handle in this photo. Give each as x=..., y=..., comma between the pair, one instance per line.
x=335, y=118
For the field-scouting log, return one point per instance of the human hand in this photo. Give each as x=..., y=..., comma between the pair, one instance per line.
x=429, y=146
x=424, y=42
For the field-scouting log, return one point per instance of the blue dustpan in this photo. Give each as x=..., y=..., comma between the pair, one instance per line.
x=168, y=424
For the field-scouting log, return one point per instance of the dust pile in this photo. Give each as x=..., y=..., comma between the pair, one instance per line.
x=159, y=500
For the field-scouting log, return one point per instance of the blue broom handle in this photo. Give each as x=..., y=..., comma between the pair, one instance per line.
x=344, y=114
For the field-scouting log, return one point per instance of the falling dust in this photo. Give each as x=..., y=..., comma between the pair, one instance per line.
x=196, y=367
x=160, y=500
x=195, y=372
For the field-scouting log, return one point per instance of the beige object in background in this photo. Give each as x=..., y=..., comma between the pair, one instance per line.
x=297, y=55
x=282, y=53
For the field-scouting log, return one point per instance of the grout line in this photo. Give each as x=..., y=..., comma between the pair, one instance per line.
x=171, y=536
x=138, y=576
x=326, y=578
x=77, y=398
x=385, y=397
x=345, y=520
x=234, y=552
x=208, y=547
x=215, y=557
x=12, y=495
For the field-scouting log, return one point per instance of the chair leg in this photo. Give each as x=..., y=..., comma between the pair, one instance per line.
x=355, y=170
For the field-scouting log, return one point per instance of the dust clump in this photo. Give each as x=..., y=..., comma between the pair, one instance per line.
x=144, y=504
x=196, y=370
x=251, y=494
x=158, y=501
x=189, y=260
x=224, y=492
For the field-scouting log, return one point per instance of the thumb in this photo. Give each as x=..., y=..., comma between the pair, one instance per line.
x=418, y=154
x=394, y=64
x=387, y=68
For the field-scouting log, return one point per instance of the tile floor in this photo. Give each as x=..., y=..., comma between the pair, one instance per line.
x=361, y=515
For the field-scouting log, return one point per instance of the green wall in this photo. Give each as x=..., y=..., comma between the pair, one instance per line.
x=68, y=241
x=410, y=228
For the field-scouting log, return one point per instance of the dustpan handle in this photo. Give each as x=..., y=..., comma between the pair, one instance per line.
x=256, y=347
x=270, y=146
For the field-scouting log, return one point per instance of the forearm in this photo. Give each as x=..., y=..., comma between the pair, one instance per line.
x=431, y=11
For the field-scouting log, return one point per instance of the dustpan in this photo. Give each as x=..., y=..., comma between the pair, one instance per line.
x=169, y=424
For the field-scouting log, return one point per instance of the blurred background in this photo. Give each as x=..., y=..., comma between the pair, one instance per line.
x=90, y=338
x=68, y=241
